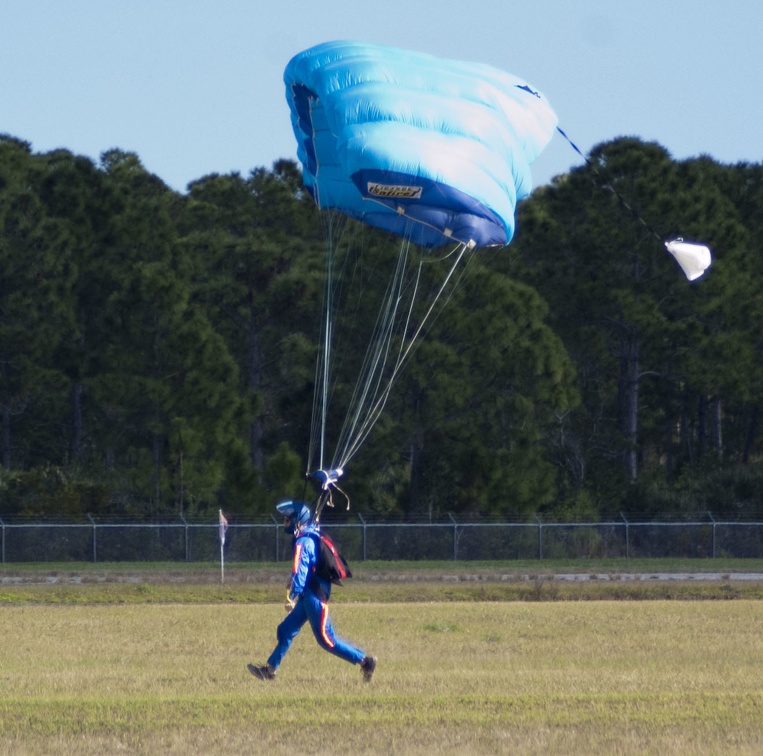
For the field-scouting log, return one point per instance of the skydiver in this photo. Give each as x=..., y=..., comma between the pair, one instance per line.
x=308, y=599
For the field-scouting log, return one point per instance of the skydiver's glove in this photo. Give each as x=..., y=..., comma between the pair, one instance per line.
x=290, y=602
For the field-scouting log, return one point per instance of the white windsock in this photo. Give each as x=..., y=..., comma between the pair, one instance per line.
x=693, y=258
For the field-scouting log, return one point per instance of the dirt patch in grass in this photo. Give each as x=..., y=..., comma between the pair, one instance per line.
x=379, y=582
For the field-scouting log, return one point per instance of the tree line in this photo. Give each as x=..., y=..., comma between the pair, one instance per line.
x=157, y=349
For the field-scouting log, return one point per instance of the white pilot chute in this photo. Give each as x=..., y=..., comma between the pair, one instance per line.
x=694, y=258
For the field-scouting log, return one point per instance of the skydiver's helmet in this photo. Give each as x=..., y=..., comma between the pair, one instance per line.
x=296, y=515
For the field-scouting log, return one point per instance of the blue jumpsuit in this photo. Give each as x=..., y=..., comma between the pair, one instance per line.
x=311, y=594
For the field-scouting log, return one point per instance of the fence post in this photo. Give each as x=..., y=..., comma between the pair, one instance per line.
x=540, y=537
x=187, y=550
x=95, y=542
x=455, y=537
x=710, y=515
x=363, y=524
x=627, y=537
x=3, y=527
x=275, y=523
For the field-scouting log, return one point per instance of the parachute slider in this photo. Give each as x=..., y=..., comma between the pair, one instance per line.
x=325, y=482
x=693, y=258
x=324, y=479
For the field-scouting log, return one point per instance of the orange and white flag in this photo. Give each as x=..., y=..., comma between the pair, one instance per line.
x=223, y=528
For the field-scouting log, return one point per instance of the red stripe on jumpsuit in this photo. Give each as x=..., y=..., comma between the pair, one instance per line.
x=324, y=619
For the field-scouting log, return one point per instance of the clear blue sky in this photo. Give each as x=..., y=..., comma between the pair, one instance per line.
x=195, y=86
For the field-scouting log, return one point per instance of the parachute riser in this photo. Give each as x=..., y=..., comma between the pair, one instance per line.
x=326, y=483
x=327, y=498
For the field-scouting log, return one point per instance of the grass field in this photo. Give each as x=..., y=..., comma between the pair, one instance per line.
x=88, y=667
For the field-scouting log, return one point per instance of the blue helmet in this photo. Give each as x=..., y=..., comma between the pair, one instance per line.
x=297, y=512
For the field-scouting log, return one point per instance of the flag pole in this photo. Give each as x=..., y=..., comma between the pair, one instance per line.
x=223, y=523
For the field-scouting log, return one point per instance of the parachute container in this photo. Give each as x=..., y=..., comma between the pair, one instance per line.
x=693, y=258
x=433, y=150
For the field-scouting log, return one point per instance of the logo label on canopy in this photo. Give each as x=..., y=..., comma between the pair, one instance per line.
x=394, y=191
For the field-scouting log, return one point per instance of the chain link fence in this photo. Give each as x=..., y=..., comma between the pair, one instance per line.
x=361, y=539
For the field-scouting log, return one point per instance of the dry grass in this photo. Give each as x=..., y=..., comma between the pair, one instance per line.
x=501, y=677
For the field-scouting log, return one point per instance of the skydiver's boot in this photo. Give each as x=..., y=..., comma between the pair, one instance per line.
x=368, y=666
x=265, y=672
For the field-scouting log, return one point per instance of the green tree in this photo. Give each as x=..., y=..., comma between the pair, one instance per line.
x=478, y=406
x=639, y=334
x=262, y=244
x=166, y=385
x=76, y=193
x=36, y=308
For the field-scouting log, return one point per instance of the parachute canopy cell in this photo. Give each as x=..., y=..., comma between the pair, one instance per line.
x=432, y=150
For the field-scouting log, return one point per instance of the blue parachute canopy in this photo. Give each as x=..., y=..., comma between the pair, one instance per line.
x=429, y=149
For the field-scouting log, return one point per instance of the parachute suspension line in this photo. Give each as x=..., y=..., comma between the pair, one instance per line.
x=322, y=363
x=325, y=356
x=608, y=185
x=377, y=354
x=318, y=417
x=334, y=225
x=351, y=446
x=406, y=348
